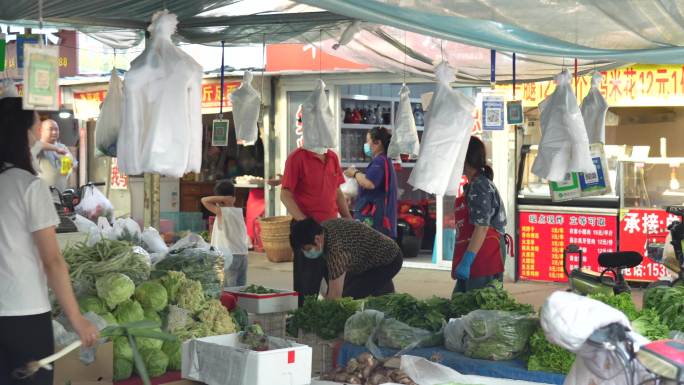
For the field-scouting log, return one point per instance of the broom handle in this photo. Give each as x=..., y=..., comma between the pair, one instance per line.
x=50, y=359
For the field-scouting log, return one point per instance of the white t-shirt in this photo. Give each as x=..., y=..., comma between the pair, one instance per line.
x=25, y=207
x=231, y=234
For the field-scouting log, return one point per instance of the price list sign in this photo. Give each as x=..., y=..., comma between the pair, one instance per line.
x=637, y=226
x=544, y=235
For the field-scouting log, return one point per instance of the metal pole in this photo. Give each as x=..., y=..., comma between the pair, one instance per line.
x=151, y=204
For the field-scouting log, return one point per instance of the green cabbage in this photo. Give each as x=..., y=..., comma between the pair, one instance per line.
x=123, y=369
x=115, y=288
x=172, y=281
x=152, y=295
x=109, y=317
x=122, y=349
x=172, y=349
x=152, y=315
x=156, y=362
x=129, y=311
x=145, y=343
x=191, y=296
x=92, y=304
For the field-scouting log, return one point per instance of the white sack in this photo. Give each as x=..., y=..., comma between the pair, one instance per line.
x=153, y=242
x=594, y=108
x=564, y=145
x=448, y=124
x=350, y=187
x=318, y=123
x=162, y=119
x=404, y=136
x=8, y=89
x=111, y=115
x=246, y=106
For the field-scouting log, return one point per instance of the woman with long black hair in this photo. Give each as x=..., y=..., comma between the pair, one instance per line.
x=30, y=258
x=480, y=224
x=376, y=204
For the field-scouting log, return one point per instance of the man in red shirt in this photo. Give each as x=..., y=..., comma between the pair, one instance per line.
x=311, y=189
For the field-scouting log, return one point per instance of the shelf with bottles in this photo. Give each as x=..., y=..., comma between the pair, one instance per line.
x=359, y=113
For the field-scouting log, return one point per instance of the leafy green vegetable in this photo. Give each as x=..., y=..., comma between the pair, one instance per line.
x=92, y=304
x=109, y=317
x=115, y=288
x=152, y=295
x=122, y=349
x=398, y=335
x=649, y=325
x=205, y=266
x=196, y=330
x=172, y=281
x=547, y=357
x=489, y=298
x=172, y=349
x=361, y=325
x=409, y=310
x=497, y=335
x=258, y=289
x=217, y=317
x=129, y=311
x=149, y=343
x=255, y=338
x=190, y=296
x=156, y=362
x=622, y=302
x=152, y=315
x=123, y=369
x=326, y=318
x=240, y=319
x=668, y=302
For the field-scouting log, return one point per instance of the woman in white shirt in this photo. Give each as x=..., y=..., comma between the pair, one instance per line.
x=30, y=259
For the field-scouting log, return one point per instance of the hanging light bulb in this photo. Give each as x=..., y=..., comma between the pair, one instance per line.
x=674, y=183
x=64, y=113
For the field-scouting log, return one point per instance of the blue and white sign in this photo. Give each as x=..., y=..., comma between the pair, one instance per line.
x=493, y=113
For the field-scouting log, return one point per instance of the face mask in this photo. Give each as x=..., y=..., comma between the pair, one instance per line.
x=312, y=254
x=367, y=149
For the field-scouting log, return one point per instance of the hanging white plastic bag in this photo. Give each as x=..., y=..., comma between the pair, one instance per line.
x=126, y=229
x=83, y=224
x=404, y=136
x=111, y=115
x=153, y=242
x=161, y=130
x=246, y=106
x=594, y=108
x=94, y=204
x=318, y=121
x=448, y=123
x=564, y=145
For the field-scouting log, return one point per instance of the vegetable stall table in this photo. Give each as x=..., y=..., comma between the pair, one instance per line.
x=512, y=370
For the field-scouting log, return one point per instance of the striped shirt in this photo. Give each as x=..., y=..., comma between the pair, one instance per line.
x=352, y=247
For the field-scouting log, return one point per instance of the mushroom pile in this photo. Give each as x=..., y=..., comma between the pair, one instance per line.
x=368, y=370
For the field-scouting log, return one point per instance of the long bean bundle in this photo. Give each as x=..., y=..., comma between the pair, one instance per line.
x=87, y=263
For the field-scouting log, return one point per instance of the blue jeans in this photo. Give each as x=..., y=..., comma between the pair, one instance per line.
x=236, y=273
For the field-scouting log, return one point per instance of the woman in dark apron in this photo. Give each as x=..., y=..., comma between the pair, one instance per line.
x=480, y=225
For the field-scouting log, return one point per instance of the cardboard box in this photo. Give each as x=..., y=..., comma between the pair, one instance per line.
x=282, y=301
x=70, y=368
x=223, y=360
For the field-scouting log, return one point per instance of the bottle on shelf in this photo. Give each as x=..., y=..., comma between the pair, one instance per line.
x=356, y=115
x=364, y=115
x=386, y=116
x=347, y=115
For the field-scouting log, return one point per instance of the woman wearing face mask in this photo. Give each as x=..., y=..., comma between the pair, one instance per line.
x=30, y=259
x=376, y=204
x=480, y=222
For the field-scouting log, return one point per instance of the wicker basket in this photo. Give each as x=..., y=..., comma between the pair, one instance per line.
x=322, y=352
x=275, y=236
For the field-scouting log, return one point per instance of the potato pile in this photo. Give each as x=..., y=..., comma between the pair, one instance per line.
x=367, y=370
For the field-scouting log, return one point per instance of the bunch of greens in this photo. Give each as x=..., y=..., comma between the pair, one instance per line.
x=359, y=327
x=622, y=302
x=409, y=310
x=255, y=338
x=258, y=289
x=199, y=264
x=649, y=325
x=493, y=297
x=547, y=357
x=497, y=335
x=668, y=302
x=89, y=263
x=395, y=334
x=325, y=318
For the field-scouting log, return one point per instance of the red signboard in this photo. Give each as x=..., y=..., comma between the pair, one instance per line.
x=211, y=93
x=637, y=226
x=544, y=236
x=302, y=57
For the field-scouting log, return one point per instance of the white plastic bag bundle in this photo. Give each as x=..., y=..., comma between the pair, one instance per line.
x=162, y=119
x=94, y=204
x=111, y=115
x=153, y=242
x=404, y=136
x=246, y=106
x=448, y=123
x=594, y=108
x=564, y=145
x=318, y=122
x=350, y=187
x=83, y=224
x=126, y=229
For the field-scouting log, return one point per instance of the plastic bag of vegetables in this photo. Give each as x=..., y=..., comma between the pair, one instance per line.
x=455, y=335
x=398, y=335
x=497, y=335
x=361, y=326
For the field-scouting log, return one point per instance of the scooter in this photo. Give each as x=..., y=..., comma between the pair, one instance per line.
x=610, y=281
x=672, y=258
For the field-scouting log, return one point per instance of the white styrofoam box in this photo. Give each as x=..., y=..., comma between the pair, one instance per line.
x=223, y=360
x=282, y=301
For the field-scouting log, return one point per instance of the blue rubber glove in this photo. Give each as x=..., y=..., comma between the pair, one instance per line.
x=463, y=268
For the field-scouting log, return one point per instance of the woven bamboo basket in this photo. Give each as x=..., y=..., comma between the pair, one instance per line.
x=275, y=236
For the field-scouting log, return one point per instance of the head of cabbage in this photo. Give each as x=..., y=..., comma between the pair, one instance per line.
x=172, y=281
x=152, y=295
x=123, y=369
x=114, y=288
x=172, y=349
x=156, y=362
x=122, y=349
x=109, y=317
x=92, y=304
x=145, y=343
x=129, y=311
x=152, y=315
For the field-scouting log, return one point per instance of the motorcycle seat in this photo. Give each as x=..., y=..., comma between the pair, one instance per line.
x=620, y=260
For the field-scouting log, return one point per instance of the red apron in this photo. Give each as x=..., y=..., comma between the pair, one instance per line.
x=488, y=260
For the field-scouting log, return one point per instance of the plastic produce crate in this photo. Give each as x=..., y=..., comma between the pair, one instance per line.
x=282, y=301
x=273, y=324
x=323, y=351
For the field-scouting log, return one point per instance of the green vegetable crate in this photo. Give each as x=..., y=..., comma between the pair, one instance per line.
x=273, y=301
